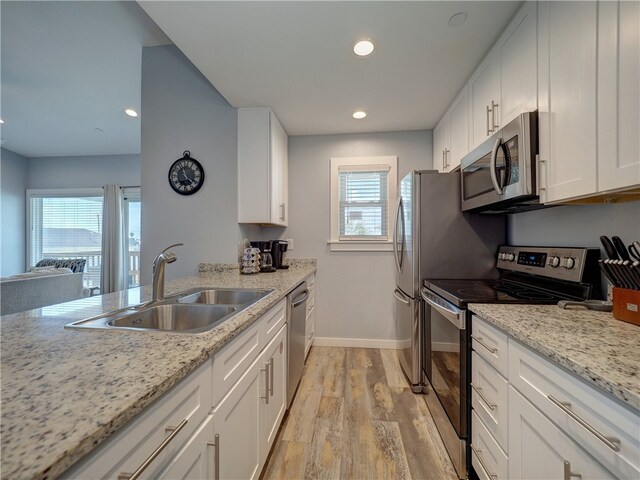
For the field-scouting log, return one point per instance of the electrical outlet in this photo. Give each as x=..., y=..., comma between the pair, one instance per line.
x=290, y=242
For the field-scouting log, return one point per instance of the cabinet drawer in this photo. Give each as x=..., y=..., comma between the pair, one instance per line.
x=272, y=321
x=490, y=398
x=491, y=344
x=488, y=459
x=190, y=400
x=232, y=361
x=581, y=411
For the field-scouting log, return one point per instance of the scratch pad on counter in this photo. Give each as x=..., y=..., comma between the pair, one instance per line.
x=626, y=305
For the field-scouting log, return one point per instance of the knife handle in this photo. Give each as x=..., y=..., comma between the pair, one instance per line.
x=621, y=248
x=609, y=249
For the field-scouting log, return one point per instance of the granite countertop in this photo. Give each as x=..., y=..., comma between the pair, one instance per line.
x=595, y=346
x=64, y=391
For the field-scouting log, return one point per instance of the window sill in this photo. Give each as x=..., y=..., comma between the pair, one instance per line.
x=360, y=246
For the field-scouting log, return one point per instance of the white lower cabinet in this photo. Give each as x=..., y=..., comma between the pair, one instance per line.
x=196, y=460
x=272, y=411
x=539, y=449
x=237, y=423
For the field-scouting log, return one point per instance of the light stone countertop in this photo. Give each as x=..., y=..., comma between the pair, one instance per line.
x=595, y=346
x=64, y=391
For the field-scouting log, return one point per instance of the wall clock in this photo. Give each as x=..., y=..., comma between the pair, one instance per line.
x=186, y=175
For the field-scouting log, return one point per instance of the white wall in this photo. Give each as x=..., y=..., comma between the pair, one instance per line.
x=84, y=172
x=13, y=180
x=354, y=297
x=181, y=111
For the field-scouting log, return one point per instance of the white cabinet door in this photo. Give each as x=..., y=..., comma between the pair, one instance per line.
x=519, y=65
x=195, y=461
x=567, y=98
x=237, y=423
x=459, y=127
x=275, y=360
x=262, y=168
x=441, y=139
x=484, y=94
x=539, y=449
x=618, y=95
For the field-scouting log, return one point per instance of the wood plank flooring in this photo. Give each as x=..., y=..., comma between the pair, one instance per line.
x=354, y=417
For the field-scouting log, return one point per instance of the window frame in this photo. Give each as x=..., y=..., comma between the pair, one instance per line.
x=365, y=245
x=51, y=193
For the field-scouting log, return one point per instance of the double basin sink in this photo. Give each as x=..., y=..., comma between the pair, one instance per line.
x=191, y=311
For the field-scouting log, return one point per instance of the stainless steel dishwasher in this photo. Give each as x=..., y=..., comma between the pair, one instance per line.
x=296, y=322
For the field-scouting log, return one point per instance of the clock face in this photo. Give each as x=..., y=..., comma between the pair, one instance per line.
x=186, y=175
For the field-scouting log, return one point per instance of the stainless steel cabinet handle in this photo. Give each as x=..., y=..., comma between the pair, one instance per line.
x=266, y=383
x=216, y=446
x=271, y=376
x=481, y=342
x=488, y=129
x=154, y=454
x=568, y=475
x=446, y=158
x=478, y=453
x=494, y=124
x=282, y=211
x=612, y=442
x=478, y=390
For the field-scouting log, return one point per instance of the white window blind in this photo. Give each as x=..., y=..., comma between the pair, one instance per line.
x=364, y=202
x=67, y=225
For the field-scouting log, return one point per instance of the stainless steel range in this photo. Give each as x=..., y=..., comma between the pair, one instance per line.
x=535, y=275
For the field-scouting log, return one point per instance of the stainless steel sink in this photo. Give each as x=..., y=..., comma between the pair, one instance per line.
x=192, y=311
x=224, y=296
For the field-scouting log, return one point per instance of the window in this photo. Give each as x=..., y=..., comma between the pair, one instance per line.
x=132, y=232
x=361, y=193
x=67, y=224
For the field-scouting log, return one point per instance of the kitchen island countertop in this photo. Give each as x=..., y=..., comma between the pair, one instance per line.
x=65, y=391
x=601, y=350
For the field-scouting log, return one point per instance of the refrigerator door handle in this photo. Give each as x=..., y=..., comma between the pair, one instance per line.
x=399, y=295
x=398, y=255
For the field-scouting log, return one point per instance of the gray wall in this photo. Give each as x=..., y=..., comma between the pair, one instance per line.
x=83, y=172
x=181, y=111
x=13, y=180
x=354, y=289
x=575, y=225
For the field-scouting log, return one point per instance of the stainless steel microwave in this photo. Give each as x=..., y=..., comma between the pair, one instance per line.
x=499, y=176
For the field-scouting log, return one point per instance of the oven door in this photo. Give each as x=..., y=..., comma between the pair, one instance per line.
x=501, y=169
x=449, y=367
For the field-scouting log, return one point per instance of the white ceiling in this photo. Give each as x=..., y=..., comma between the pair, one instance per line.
x=296, y=57
x=69, y=68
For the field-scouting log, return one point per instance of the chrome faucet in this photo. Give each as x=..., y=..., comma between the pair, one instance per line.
x=159, y=262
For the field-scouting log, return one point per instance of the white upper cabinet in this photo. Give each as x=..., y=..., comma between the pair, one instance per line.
x=505, y=83
x=451, y=135
x=262, y=168
x=618, y=95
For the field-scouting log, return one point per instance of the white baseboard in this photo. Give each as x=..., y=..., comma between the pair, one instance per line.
x=360, y=343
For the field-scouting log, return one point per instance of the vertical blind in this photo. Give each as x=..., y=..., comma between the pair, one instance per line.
x=364, y=202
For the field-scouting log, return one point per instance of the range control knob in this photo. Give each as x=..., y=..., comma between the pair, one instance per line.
x=554, y=261
x=568, y=262
x=510, y=257
x=502, y=256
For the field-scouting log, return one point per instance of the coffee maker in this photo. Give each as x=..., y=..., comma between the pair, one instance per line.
x=267, y=262
x=278, y=247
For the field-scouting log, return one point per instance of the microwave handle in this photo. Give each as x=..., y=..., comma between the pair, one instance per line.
x=492, y=166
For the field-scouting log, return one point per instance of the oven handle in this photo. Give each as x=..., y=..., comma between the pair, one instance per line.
x=454, y=315
x=492, y=166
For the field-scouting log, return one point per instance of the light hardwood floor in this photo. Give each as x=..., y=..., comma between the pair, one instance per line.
x=354, y=417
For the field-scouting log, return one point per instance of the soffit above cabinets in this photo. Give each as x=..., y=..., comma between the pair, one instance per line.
x=296, y=57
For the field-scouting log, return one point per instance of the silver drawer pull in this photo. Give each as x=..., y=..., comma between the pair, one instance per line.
x=568, y=475
x=266, y=383
x=612, y=442
x=478, y=390
x=478, y=453
x=154, y=454
x=216, y=446
x=271, y=376
x=481, y=342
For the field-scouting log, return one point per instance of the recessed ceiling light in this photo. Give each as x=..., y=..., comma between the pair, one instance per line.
x=457, y=19
x=363, y=48
x=131, y=112
x=359, y=114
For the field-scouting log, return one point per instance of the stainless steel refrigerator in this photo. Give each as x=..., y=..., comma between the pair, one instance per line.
x=434, y=239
